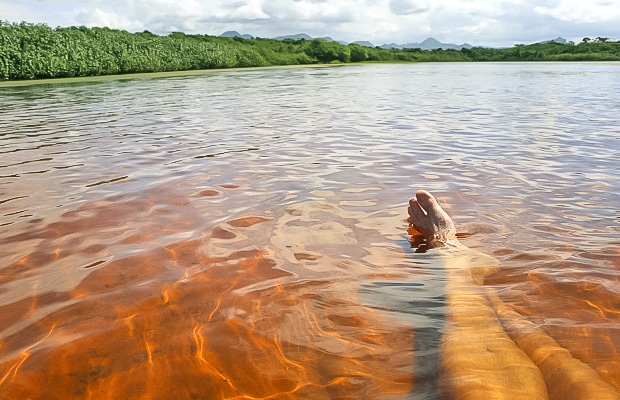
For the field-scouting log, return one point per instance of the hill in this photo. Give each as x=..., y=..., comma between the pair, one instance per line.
x=428, y=44
x=236, y=34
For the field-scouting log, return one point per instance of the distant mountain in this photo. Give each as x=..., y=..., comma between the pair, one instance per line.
x=327, y=38
x=295, y=37
x=558, y=39
x=332, y=40
x=428, y=44
x=364, y=43
x=236, y=34
x=306, y=37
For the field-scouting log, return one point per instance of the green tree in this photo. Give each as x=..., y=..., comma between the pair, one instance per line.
x=358, y=53
x=326, y=52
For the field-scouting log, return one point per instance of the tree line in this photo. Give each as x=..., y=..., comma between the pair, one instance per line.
x=36, y=51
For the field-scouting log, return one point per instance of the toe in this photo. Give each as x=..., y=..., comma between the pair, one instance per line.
x=425, y=199
x=430, y=204
x=416, y=213
x=418, y=218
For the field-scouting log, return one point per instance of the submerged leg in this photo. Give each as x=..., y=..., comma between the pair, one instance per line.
x=488, y=350
x=478, y=360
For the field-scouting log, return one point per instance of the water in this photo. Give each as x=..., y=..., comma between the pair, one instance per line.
x=242, y=234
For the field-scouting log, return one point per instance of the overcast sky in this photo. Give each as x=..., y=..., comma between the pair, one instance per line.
x=478, y=22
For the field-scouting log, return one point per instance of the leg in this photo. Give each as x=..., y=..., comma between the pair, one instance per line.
x=478, y=359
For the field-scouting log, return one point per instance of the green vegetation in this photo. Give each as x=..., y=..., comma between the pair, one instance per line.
x=36, y=51
x=599, y=49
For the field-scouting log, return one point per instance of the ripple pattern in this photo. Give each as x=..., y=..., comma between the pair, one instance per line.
x=242, y=234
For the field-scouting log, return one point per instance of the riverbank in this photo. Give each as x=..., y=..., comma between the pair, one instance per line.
x=147, y=75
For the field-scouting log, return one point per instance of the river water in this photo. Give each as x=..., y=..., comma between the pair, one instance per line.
x=242, y=234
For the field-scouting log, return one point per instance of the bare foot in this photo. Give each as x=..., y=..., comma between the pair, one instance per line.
x=427, y=217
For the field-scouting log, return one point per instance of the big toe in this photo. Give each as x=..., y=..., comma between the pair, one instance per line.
x=426, y=200
x=432, y=207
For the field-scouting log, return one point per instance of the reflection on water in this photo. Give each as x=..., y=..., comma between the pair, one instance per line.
x=242, y=234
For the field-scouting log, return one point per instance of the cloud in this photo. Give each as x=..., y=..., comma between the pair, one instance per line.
x=310, y=10
x=242, y=11
x=479, y=22
x=581, y=11
x=97, y=17
x=406, y=7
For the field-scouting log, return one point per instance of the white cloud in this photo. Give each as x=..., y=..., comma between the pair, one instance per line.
x=583, y=11
x=241, y=11
x=310, y=10
x=479, y=22
x=97, y=17
x=406, y=7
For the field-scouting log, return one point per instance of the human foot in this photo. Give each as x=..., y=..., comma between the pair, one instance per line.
x=427, y=217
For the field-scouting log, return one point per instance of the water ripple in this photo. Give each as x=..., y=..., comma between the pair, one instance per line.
x=165, y=198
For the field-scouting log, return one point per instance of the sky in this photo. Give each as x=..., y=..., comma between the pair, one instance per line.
x=494, y=23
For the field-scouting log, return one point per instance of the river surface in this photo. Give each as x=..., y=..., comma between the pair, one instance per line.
x=242, y=234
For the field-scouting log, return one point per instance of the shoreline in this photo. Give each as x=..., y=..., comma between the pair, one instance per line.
x=149, y=75
x=194, y=72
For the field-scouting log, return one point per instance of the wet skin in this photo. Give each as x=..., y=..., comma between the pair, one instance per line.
x=430, y=220
x=488, y=350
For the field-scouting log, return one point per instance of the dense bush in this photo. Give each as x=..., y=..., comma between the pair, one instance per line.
x=31, y=51
x=588, y=50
